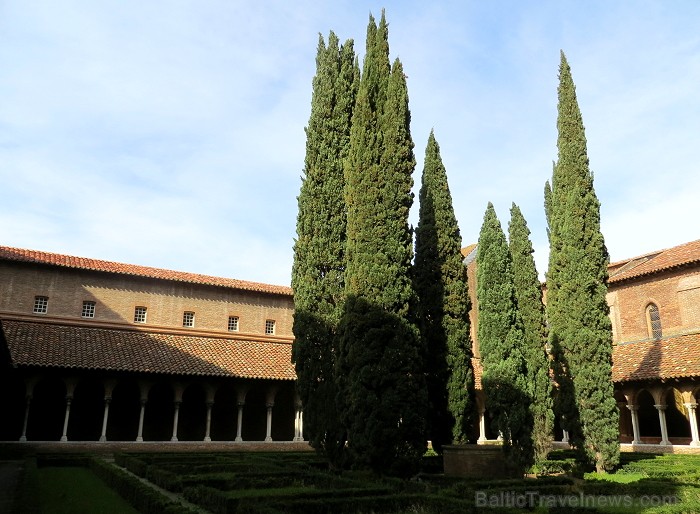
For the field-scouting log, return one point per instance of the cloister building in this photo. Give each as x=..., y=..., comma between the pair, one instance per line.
x=102, y=351
x=93, y=350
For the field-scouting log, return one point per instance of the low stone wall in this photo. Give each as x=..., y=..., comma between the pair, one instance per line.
x=474, y=460
x=12, y=448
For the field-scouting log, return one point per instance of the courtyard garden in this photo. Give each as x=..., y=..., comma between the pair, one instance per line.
x=291, y=482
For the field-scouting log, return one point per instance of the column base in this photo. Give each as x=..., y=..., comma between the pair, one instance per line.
x=238, y=440
x=139, y=439
x=173, y=439
x=207, y=439
x=64, y=439
x=23, y=439
x=103, y=439
x=268, y=439
x=694, y=443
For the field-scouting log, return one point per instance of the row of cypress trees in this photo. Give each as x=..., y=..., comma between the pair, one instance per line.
x=382, y=347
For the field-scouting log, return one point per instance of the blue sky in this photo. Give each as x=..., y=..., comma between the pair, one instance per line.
x=171, y=134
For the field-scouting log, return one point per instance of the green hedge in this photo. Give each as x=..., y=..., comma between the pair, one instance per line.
x=142, y=497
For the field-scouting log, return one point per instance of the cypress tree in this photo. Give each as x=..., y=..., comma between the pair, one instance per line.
x=381, y=373
x=580, y=330
x=440, y=280
x=500, y=335
x=319, y=250
x=528, y=292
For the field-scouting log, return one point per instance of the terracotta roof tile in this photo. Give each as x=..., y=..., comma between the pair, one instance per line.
x=674, y=357
x=655, y=262
x=50, y=345
x=82, y=263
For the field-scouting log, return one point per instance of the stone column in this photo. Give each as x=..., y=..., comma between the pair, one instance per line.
x=634, y=411
x=139, y=435
x=268, y=435
x=301, y=424
x=662, y=422
x=239, y=423
x=298, y=420
x=27, y=403
x=207, y=436
x=564, y=436
x=692, y=418
x=64, y=437
x=105, y=417
x=482, y=426
x=175, y=416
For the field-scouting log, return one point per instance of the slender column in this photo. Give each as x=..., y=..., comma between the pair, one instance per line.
x=268, y=436
x=175, y=416
x=634, y=411
x=662, y=422
x=139, y=435
x=565, y=436
x=301, y=424
x=692, y=415
x=207, y=436
x=105, y=417
x=239, y=423
x=64, y=437
x=482, y=426
x=27, y=402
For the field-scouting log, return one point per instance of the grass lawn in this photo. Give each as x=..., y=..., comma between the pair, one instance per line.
x=69, y=490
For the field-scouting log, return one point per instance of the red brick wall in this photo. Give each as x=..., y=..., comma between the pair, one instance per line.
x=116, y=296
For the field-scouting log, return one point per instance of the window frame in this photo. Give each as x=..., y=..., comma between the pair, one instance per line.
x=188, y=319
x=41, y=304
x=88, y=310
x=270, y=327
x=140, y=314
x=653, y=318
x=234, y=323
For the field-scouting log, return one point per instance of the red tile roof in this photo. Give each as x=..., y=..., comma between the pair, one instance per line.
x=82, y=263
x=63, y=346
x=674, y=357
x=688, y=253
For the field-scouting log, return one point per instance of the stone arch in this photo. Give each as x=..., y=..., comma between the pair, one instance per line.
x=87, y=410
x=193, y=413
x=283, y=413
x=224, y=415
x=14, y=393
x=47, y=410
x=648, y=416
x=124, y=411
x=160, y=408
x=677, y=417
x=626, y=431
x=255, y=417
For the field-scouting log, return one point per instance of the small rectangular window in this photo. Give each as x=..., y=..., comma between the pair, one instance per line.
x=233, y=323
x=270, y=326
x=188, y=319
x=140, y=315
x=41, y=304
x=88, y=309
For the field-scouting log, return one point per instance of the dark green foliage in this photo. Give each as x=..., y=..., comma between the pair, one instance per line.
x=380, y=377
x=528, y=292
x=579, y=327
x=319, y=251
x=500, y=335
x=440, y=280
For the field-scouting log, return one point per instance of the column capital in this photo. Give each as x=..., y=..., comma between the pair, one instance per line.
x=633, y=408
x=690, y=406
x=661, y=407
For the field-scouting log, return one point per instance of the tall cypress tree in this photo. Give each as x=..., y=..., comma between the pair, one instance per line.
x=381, y=373
x=440, y=280
x=319, y=250
x=528, y=292
x=500, y=334
x=579, y=327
